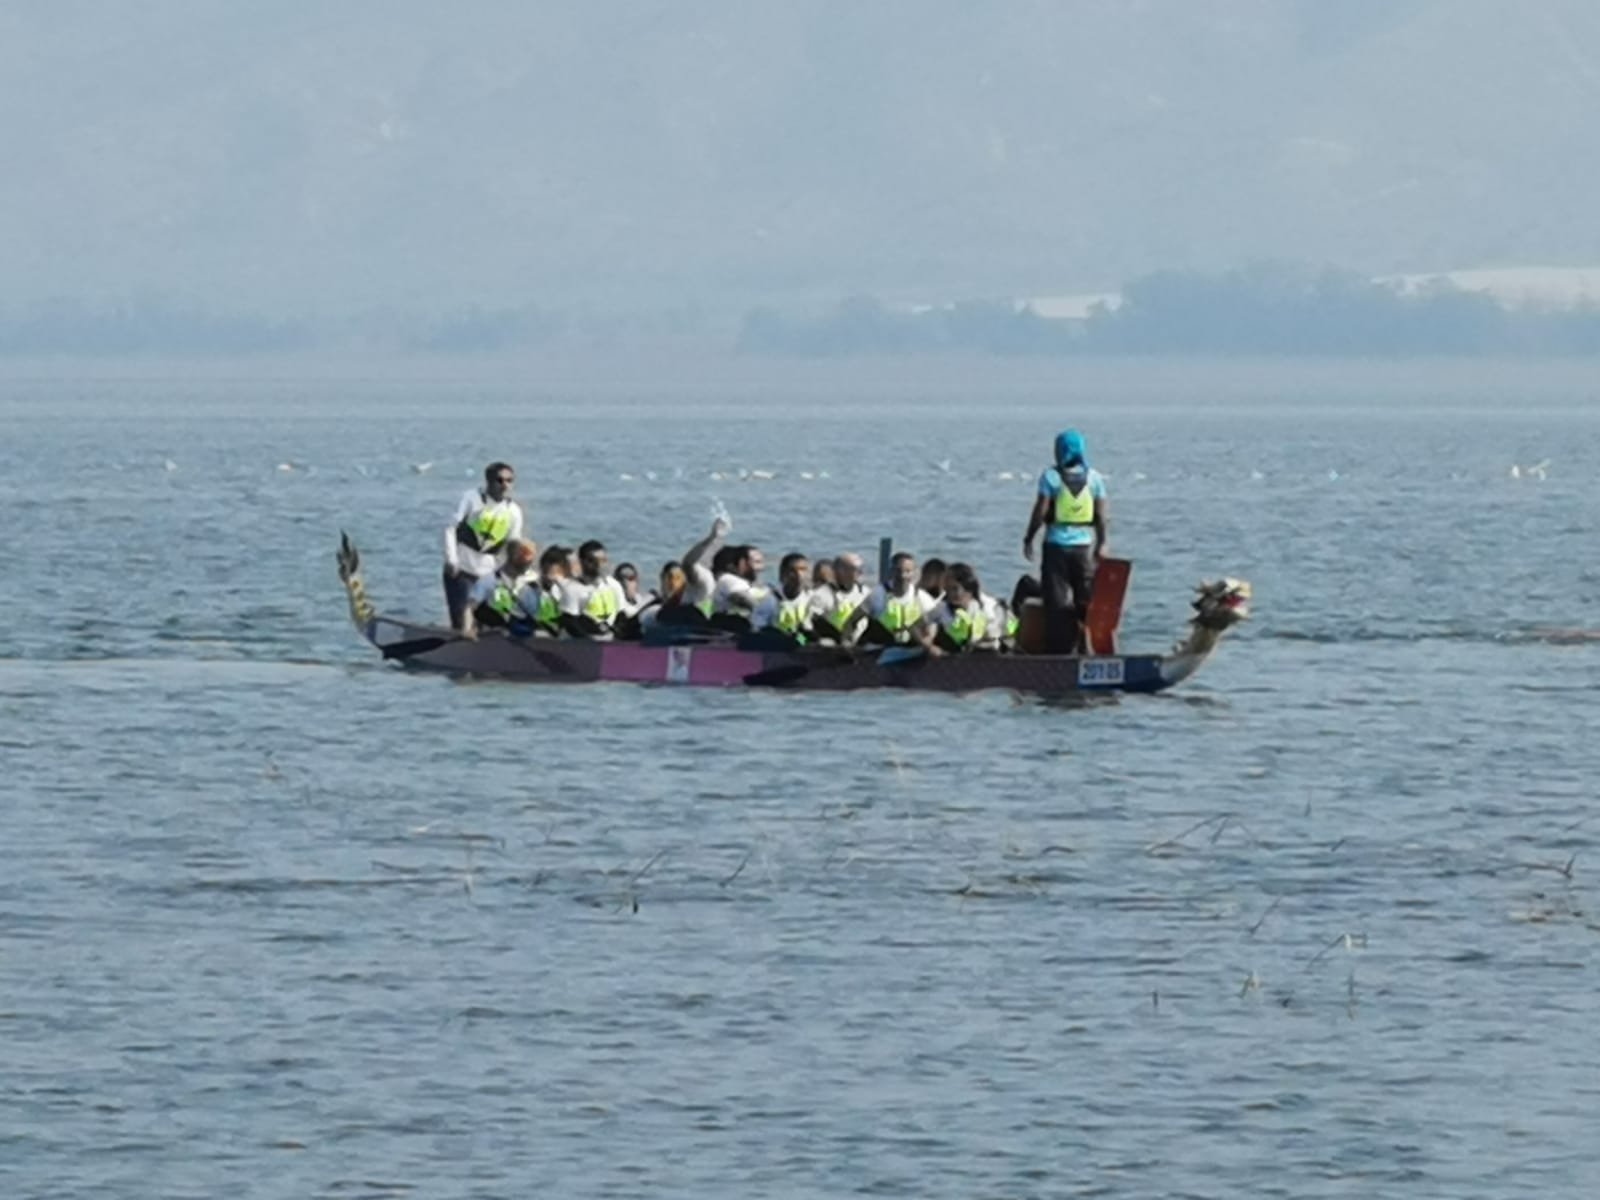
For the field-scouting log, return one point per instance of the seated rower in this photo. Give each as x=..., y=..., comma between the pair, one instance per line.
x=553, y=576
x=627, y=577
x=700, y=580
x=895, y=607
x=509, y=598
x=591, y=603
x=836, y=607
x=823, y=575
x=965, y=619
x=736, y=568
x=671, y=603
x=786, y=609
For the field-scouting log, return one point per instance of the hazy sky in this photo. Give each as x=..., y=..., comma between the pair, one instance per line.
x=311, y=155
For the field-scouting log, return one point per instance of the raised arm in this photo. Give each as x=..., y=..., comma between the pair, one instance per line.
x=709, y=544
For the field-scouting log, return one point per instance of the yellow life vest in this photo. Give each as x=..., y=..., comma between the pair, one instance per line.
x=549, y=615
x=1075, y=510
x=843, y=611
x=792, y=613
x=967, y=625
x=602, y=604
x=504, y=597
x=900, y=615
x=488, y=528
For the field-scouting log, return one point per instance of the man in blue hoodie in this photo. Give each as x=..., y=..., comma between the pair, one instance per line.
x=1071, y=507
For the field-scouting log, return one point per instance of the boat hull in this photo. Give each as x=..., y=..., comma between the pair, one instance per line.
x=495, y=655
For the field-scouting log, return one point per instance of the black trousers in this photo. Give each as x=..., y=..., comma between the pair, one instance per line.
x=1067, y=579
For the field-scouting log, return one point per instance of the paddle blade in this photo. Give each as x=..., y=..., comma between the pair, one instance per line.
x=1105, y=604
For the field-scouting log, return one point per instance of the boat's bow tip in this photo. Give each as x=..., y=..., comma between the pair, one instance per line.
x=1220, y=604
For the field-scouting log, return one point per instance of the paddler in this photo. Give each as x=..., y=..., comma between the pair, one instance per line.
x=837, y=613
x=786, y=609
x=509, y=598
x=474, y=543
x=553, y=577
x=894, y=608
x=1071, y=505
x=737, y=570
x=966, y=619
x=591, y=603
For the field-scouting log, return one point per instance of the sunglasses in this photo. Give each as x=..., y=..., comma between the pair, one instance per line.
x=505, y=479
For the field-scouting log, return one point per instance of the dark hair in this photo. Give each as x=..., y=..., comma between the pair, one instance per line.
x=905, y=556
x=554, y=556
x=589, y=547
x=965, y=577
x=724, y=559
x=934, y=566
x=626, y=571
x=495, y=468
x=789, y=560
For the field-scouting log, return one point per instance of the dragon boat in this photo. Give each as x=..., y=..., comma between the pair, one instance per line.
x=707, y=659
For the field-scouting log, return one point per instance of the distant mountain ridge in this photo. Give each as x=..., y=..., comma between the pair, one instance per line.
x=311, y=157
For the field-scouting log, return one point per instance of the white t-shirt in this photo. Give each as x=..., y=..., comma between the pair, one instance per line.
x=702, y=585
x=731, y=585
x=465, y=558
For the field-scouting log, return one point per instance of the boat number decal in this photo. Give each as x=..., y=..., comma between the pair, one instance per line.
x=1100, y=672
x=678, y=659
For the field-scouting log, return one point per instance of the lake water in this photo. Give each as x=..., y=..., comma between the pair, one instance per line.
x=279, y=920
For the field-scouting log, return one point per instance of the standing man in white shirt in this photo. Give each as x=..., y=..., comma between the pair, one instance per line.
x=474, y=543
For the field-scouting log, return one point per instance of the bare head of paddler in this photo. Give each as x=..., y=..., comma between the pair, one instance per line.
x=902, y=573
x=792, y=571
x=823, y=575
x=750, y=563
x=932, y=580
x=628, y=576
x=520, y=556
x=498, y=478
x=847, y=569
x=674, y=583
x=592, y=560
x=960, y=585
x=553, y=564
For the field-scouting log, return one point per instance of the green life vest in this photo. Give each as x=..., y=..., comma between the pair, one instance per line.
x=899, y=614
x=504, y=597
x=602, y=604
x=488, y=528
x=549, y=615
x=843, y=611
x=967, y=626
x=792, y=613
x=1075, y=510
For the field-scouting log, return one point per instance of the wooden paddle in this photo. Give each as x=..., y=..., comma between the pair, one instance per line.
x=1105, y=604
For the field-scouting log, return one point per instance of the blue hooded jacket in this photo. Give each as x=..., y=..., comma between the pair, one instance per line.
x=1071, y=449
